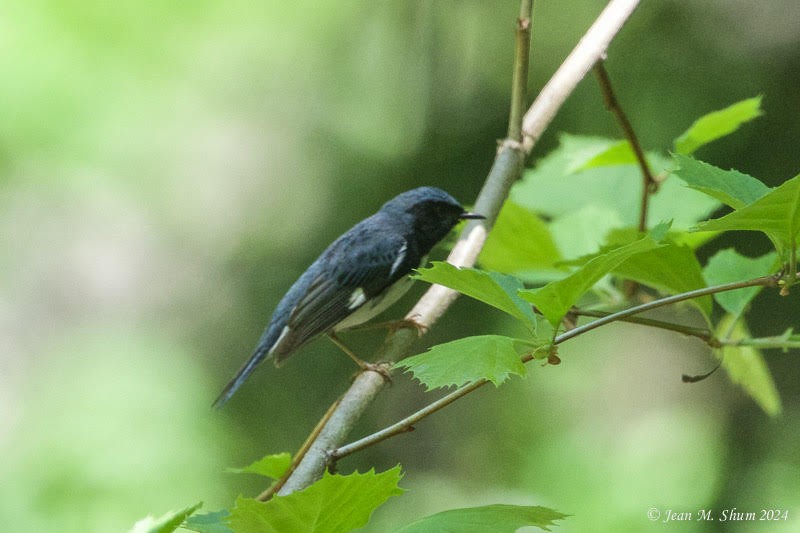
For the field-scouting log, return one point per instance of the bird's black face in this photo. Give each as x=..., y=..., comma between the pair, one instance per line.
x=427, y=214
x=433, y=220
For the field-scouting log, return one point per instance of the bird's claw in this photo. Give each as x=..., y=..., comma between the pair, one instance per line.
x=380, y=368
x=408, y=323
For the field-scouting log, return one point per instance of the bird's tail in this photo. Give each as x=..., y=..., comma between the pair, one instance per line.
x=261, y=353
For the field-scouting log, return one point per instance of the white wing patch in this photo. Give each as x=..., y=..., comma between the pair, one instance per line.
x=401, y=254
x=277, y=343
x=377, y=305
x=357, y=299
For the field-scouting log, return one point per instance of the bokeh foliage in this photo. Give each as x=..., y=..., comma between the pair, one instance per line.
x=168, y=169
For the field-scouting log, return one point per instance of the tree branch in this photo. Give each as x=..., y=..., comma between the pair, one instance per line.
x=505, y=171
x=591, y=48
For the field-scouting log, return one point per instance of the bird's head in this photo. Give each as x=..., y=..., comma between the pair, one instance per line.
x=429, y=211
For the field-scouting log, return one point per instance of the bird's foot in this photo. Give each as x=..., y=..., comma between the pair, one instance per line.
x=381, y=368
x=405, y=323
x=393, y=326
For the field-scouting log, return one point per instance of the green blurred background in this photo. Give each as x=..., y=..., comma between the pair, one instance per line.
x=168, y=169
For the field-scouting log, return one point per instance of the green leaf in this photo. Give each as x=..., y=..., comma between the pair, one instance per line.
x=746, y=367
x=672, y=269
x=579, y=149
x=166, y=523
x=777, y=214
x=333, y=504
x=619, y=153
x=492, y=288
x=519, y=241
x=487, y=519
x=491, y=357
x=676, y=202
x=583, y=231
x=271, y=466
x=554, y=188
x=727, y=266
x=209, y=522
x=556, y=298
x=730, y=187
x=678, y=237
x=693, y=240
x=718, y=124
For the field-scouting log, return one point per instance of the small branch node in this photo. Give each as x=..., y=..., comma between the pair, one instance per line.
x=510, y=144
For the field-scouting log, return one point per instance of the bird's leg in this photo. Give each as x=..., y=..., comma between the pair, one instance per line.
x=343, y=347
x=363, y=365
x=394, y=325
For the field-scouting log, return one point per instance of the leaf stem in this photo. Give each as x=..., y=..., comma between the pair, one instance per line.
x=764, y=343
x=792, y=266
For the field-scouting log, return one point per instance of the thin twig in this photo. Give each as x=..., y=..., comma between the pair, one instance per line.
x=701, y=333
x=278, y=485
x=505, y=171
x=764, y=281
x=614, y=106
x=342, y=418
x=403, y=425
x=400, y=426
x=519, y=81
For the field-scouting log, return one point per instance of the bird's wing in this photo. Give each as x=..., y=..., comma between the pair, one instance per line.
x=360, y=269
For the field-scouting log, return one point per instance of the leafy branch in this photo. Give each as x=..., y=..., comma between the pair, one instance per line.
x=762, y=281
x=407, y=423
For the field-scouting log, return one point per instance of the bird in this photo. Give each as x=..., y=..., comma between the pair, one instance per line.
x=357, y=277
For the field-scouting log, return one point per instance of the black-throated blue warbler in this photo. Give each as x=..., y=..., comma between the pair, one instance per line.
x=357, y=277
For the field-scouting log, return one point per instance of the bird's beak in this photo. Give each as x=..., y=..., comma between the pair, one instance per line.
x=473, y=216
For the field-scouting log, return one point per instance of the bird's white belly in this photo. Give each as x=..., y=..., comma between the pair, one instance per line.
x=377, y=305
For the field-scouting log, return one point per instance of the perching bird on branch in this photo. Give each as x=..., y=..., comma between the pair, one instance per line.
x=357, y=277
